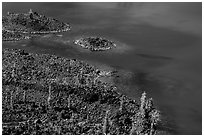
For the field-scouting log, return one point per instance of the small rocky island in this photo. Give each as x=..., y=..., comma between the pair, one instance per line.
x=32, y=23
x=45, y=94
x=95, y=43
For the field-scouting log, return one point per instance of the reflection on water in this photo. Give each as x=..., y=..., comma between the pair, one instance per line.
x=164, y=56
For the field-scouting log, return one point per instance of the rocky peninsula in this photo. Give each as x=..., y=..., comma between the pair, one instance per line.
x=32, y=23
x=45, y=94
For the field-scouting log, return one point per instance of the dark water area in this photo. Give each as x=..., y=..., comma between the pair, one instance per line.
x=159, y=51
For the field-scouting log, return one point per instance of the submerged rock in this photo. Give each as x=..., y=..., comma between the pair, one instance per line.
x=33, y=23
x=95, y=43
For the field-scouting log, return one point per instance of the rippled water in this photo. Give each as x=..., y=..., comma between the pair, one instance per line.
x=159, y=51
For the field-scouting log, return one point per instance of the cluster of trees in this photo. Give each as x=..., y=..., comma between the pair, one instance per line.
x=147, y=118
x=52, y=106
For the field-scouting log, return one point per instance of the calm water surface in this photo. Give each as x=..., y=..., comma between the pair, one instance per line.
x=159, y=43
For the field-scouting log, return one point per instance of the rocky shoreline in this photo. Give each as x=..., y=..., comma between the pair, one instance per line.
x=11, y=36
x=47, y=94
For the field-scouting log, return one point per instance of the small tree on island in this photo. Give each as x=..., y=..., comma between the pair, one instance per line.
x=143, y=101
x=106, y=121
x=50, y=82
x=154, y=118
x=121, y=103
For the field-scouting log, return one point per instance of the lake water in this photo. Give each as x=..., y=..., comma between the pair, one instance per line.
x=159, y=51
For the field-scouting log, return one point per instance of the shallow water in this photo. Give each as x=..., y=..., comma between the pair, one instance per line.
x=159, y=51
